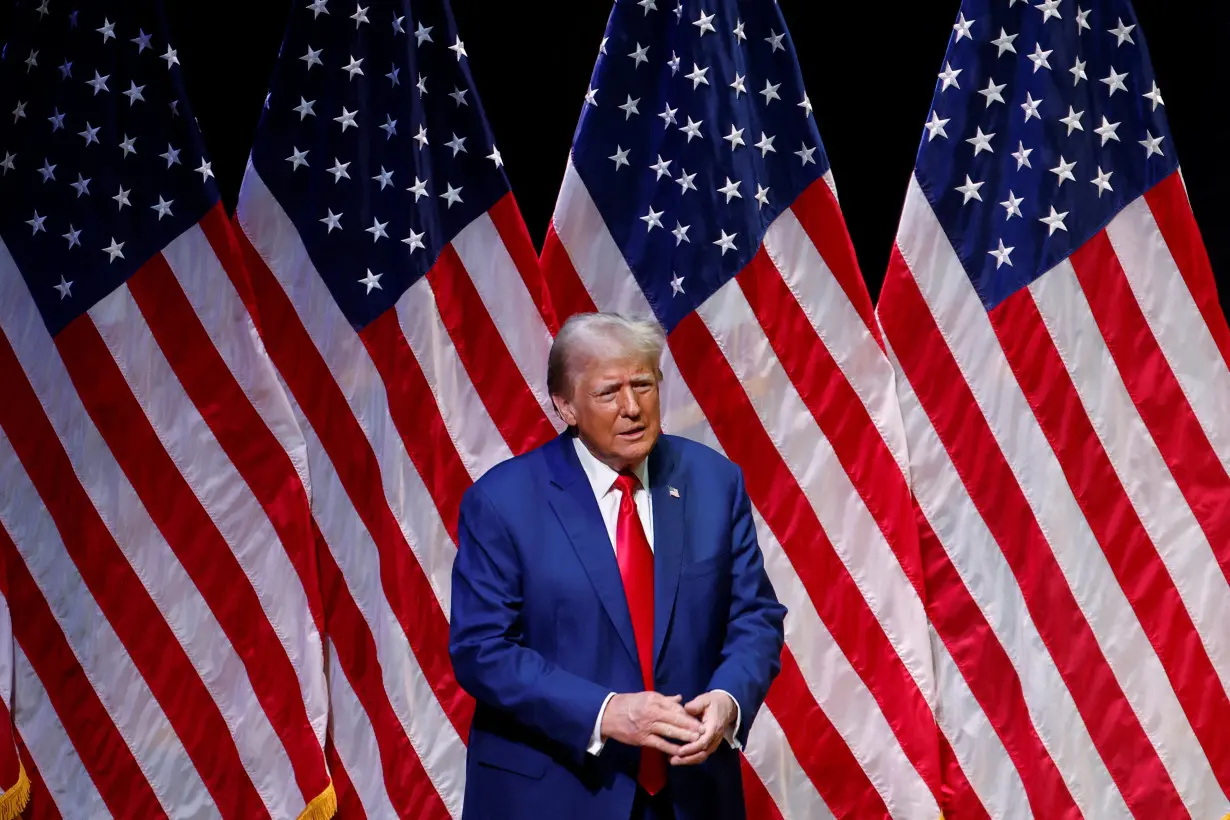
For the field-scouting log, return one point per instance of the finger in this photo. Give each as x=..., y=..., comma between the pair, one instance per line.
x=691, y=760
x=697, y=705
x=701, y=743
x=680, y=733
x=681, y=720
x=661, y=744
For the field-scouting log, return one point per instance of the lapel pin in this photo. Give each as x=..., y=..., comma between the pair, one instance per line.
x=674, y=493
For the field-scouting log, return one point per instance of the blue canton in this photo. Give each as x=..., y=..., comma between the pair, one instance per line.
x=101, y=162
x=374, y=142
x=1046, y=122
x=695, y=134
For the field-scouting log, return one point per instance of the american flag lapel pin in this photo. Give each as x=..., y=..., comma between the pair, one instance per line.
x=674, y=493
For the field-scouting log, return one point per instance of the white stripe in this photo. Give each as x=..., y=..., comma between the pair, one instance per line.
x=159, y=569
x=103, y=658
x=1176, y=322
x=507, y=299
x=960, y=315
x=1147, y=481
x=774, y=762
x=6, y=653
x=71, y=788
x=477, y=440
x=828, y=180
x=976, y=557
x=355, y=743
x=273, y=235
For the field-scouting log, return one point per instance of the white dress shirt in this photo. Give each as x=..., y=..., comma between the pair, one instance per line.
x=602, y=481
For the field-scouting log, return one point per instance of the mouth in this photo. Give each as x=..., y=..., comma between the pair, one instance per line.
x=633, y=434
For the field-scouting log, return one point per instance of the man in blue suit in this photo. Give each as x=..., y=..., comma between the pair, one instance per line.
x=611, y=614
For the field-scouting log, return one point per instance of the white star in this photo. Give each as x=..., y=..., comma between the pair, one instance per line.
x=1054, y=221
x=1004, y=42
x=673, y=62
x=48, y=170
x=640, y=55
x=36, y=224
x=765, y=145
x=114, y=250
x=726, y=243
x=339, y=170
x=1102, y=181
x=73, y=236
x=661, y=167
x=65, y=288
x=805, y=153
x=970, y=189
x=19, y=113
x=692, y=129
x=935, y=126
x=31, y=61
x=591, y=97
x=397, y=25
x=962, y=28
x=1039, y=58
x=1107, y=131
x=1152, y=144
x=1155, y=95
x=992, y=92
x=1073, y=120
x=981, y=142
x=738, y=32
x=668, y=116
x=495, y=157
x=372, y=280
x=394, y=76
x=1078, y=71
x=360, y=15
x=459, y=49
x=698, y=76
x=762, y=196
x=163, y=208
x=377, y=230
x=1115, y=81
x=98, y=83
x=629, y=108
x=681, y=233
x=1049, y=9
x=1082, y=19
x=82, y=186
x=1063, y=171
x=384, y=178
x=735, y=137
x=422, y=34
x=171, y=155
x=648, y=5
x=731, y=190
x=949, y=76
x=90, y=134
x=1030, y=107
x=347, y=119
x=389, y=128
x=652, y=220
x=421, y=85
x=318, y=8
x=172, y=57
x=121, y=199
x=679, y=11
x=1122, y=33
x=737, y=85
x=415, y=241
x=676, y=285
x=705, y=24
x=352, y=67
x=1001, y=255
x=1013, y=205
x=57, y=120
x=459, y=96
x=297, y=158
x=806, y=106
x=312, y=57
x=206, y=170
x=452, y=195
x=332, y=220
x=134, y=94
x=685, y=182
x=421, y=136
x=620, y=157
x=775, y=41
x=458, y=144
x=141, y=41
x=770, y=92
x=419, y=188
x=42, y=10
x=7, y=165
x=107, y=30
x=66, y=70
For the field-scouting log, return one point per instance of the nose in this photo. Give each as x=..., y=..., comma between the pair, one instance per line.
x=629, y=404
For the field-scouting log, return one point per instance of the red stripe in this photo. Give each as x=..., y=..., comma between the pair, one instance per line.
x=944, y=394
x=1173, y=214
x=94, y=736
x=821, y=217
x=822, y=753
x=405, y=585
x=958, y=798
x=495, y=375
x=511, y=227
x=348, y=805
x=568, y=293
x=1156, y=393
x=41, y=805
x=992, y=680
x=756, y=800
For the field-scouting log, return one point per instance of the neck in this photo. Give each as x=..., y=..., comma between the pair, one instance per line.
x=615, y=463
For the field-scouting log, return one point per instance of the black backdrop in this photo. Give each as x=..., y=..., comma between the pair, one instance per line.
x=869, y=68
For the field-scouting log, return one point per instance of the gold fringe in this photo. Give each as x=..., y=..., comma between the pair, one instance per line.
x=13, y=802
x=322, y=807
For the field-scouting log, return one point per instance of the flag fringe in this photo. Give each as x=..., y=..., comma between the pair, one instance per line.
x=322, y=807
x=14, y=801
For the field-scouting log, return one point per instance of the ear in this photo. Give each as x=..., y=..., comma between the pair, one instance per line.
x=565, y=410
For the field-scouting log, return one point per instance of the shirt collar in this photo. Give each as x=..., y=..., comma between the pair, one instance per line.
x=601, y=477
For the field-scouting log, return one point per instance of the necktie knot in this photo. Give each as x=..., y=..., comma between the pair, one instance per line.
x=626, y=483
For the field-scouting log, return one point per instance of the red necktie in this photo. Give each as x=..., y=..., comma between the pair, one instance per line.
x=636, y=569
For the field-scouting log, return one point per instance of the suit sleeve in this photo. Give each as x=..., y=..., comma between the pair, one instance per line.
x=489, y=659
x=751, y=655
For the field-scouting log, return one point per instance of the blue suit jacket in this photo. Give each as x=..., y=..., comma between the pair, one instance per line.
x=540, y=631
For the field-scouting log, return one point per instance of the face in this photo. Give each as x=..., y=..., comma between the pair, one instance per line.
x=614, y=406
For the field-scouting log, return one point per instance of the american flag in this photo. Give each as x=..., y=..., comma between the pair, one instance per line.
x=399, y=296
x=698, y=191
x=1062, y=372
x=154, y=523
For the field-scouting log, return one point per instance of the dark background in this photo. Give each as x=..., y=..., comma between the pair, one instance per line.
x=869, y=68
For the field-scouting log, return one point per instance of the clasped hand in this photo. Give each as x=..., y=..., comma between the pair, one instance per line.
x=654, y=720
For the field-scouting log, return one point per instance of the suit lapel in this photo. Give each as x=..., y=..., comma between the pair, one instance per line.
x=669, y=498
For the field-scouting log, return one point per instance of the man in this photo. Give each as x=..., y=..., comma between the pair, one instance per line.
x=611, y=613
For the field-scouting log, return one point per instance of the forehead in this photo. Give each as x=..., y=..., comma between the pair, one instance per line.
x=618, y=367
